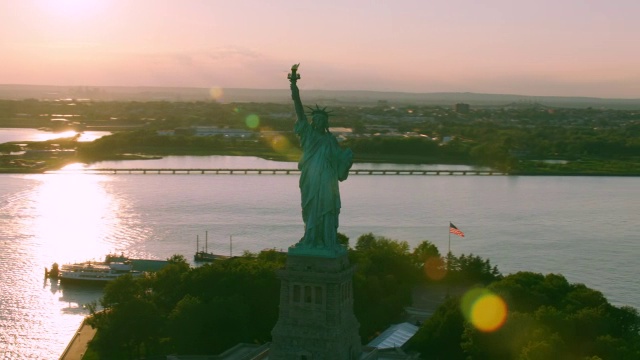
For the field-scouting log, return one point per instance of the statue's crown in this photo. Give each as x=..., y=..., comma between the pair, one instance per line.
x=318, y=110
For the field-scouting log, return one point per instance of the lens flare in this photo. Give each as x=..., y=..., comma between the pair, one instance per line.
x=484, y=309
x=434, y=268
x=216, y=93
x=280, y=143
x=252, y=121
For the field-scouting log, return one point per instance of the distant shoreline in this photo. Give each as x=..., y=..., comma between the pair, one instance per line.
x=325, y=97
x=51, y=162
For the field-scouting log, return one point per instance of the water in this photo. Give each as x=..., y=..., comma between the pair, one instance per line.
x=585, y=228
x=24, y=134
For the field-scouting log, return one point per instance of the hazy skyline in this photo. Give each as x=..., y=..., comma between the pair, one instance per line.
x=537, y=48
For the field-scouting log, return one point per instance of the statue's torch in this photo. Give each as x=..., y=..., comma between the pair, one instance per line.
x=294, y=76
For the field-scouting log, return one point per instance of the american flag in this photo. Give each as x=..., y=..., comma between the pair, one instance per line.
x=454, y=230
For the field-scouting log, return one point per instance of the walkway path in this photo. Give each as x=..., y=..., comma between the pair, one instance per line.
x=79, y=343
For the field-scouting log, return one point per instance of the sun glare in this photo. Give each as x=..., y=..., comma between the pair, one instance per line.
x=72, y=216
x=74, y=167
x=216, y=93
x=73, y=8
x=46, y=136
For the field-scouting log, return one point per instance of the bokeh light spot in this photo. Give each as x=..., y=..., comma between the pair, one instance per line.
x=434, y=268
x=216, y=93
x=484, y=309
x=252, y=121
x=489, y=313
x=280, y=143
x=469, y=298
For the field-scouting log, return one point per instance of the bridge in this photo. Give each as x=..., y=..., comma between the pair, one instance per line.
x=165, y=171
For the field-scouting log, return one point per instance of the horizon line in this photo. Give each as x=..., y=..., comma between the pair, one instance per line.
x=327, y=90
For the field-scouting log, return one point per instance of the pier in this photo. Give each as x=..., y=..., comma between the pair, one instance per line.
x=165, y=171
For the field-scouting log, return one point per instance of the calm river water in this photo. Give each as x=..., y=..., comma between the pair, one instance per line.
x=585, y=228
x=26, y=134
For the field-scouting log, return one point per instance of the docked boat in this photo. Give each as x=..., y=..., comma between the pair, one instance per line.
x=203, y=255
x=95, y=272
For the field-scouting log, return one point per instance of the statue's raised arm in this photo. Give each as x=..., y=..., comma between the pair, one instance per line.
x=295, y=93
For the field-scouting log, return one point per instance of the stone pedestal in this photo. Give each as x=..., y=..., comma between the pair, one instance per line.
x=316, y=319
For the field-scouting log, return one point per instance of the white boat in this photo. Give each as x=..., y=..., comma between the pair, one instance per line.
x=95, y=272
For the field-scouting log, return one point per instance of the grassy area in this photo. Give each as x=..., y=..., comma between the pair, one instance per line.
x=587, y=167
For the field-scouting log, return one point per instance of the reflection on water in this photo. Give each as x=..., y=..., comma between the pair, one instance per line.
x=24, y=134
x=46, y=219
x=77, y=297
x=244, y=162
x=70, y=216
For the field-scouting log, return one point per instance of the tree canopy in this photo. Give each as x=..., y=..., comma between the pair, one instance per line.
x=210, y=308
x=546, y=318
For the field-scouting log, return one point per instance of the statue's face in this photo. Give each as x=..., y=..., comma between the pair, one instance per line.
x=319, y=122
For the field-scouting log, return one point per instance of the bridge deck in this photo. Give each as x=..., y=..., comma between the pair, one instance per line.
x=278, y=171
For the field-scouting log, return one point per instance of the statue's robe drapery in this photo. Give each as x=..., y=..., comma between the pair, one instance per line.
x=322, y=165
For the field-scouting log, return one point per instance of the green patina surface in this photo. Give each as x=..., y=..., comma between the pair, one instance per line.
x=322, y=165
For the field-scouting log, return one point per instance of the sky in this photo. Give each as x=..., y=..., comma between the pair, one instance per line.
x=524, y=47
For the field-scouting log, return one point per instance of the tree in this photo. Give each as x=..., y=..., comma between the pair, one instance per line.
x=186, y=325
x=470, y=270
x=424, y=251
x=121, y=291
x=426, y=256
x=167, y=284
x=129, y=318
x=547, y=318
x=343, y=239
x=384, y=278
x=440, y=336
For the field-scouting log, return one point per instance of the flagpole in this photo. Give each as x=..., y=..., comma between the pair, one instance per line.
x=449, y=236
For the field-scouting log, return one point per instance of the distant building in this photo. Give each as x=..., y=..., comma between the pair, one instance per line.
x=272, y=133
x=462, y=108
x=225, y=132
x=209, y=131
x=396, y=336
x=372, y=129
x=166, y=132
x=341, y=133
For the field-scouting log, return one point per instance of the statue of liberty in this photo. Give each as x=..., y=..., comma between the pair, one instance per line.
x=322, y=165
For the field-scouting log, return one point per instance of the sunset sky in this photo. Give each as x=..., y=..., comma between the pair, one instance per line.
x=526, y=47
